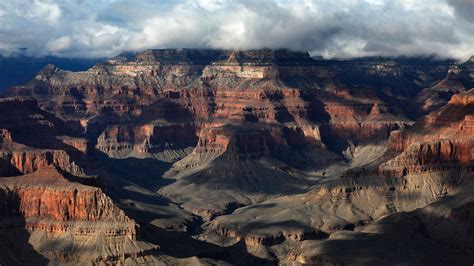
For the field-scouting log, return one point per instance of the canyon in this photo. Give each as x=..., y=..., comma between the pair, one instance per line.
x=258, y=157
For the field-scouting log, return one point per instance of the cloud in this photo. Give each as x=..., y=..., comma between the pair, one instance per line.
x=59, y=45
x=49, y=11
x=343, y=28
x=464, y=9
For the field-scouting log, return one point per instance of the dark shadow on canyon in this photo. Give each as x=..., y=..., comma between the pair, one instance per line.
x=116, y=174
x=147, y=174
x=14, y=245
x=246, y=176
x=400, y=238
x=182, y=245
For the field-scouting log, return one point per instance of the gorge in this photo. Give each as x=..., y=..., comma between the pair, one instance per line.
x=250, y=157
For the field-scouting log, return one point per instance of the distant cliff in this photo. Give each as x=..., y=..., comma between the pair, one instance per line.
x=17, y=70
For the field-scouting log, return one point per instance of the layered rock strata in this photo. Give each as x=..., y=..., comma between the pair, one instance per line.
x=165, y=141
x=442, y=140
x=245, y=149
x=53, y=209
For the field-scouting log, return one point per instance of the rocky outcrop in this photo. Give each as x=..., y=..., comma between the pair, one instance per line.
x=430, y=156
x=55, y=209
x=270, y=239
x=237, y=143
x=242, y=141
x=31, y=140
x=359, y=121
x=167, y=142
x=80, y=144
x=459, y=78
x=440, y=141
x=60, y=205
x=20, y=159
x=31, y=161
x=237, y=163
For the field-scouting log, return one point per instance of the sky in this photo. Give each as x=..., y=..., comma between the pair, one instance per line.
x=331, y=28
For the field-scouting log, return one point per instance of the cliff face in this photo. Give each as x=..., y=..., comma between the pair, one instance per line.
x=157, y=104
x=20, y=159
x=458, y=79
x=80, y=144
x=42, y=208
x=65, y=205
x=32, y=160
x=360, y=122
x=32, y=139
x=441, y=140
x=164, y=141
x=53, y=209
x=430, y=156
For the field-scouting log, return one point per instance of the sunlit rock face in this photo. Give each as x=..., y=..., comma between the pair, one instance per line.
x=269, y=156
x=440, y=140
x=53, y=210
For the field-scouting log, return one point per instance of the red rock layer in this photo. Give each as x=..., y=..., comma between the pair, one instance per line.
x=56, y=212
x=38, y=133
x=360, y=118
x=244, y=141
x=212, y=140
x=28, y=160
x=454, y=121
x=235, y=141
x=48, y=195
x=431, y=156
x=79, y=144
x=442, y=138
x=31, y=161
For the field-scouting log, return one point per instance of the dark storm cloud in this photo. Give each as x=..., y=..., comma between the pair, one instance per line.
x=463, y=8
x=342, y=28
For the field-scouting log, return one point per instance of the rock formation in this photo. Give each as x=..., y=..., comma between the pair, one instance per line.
x=82, y=219
x=164, y=141
x=260, y=156
x=441, y=140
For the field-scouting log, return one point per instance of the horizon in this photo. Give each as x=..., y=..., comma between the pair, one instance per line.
x=433, y=56
x=332, y=29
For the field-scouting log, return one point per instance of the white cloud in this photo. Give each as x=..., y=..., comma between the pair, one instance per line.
x=105, y=41
x=49, y=11
x=59, y=45
x=332, y=28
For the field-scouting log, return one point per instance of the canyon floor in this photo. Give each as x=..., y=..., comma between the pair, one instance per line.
x=220, y=157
